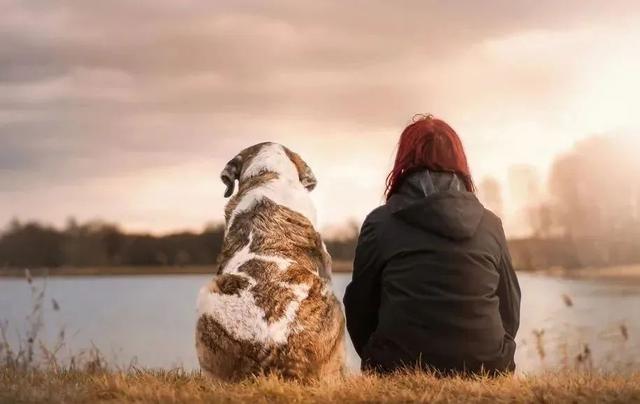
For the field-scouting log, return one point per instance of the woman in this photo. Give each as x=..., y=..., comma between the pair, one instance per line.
x=433, y=285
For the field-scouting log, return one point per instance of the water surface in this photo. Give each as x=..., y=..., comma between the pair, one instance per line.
x=149, y=320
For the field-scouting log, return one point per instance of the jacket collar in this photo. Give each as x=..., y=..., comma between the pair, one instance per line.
x=422, y=183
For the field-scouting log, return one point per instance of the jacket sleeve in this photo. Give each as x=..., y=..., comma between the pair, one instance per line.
x=362, y=297
x=508, y=291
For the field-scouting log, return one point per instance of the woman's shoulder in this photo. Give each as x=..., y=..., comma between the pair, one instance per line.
x=493, y=225
x=377, y=215
x=492, y=218
x=375, y=221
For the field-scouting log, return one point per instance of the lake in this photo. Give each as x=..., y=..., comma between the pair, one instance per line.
x=149, y=320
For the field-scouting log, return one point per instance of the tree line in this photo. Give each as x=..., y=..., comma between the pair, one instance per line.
x=587, y=214
x=96, y=244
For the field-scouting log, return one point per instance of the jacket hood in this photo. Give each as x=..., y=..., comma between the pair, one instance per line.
x=438, y=202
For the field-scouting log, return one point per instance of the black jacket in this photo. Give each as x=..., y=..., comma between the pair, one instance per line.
x=433, y=283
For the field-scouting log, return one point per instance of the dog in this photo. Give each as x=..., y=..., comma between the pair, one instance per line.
x=270, y=308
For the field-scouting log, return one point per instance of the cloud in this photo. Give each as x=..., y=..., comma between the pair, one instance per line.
x=91, y=92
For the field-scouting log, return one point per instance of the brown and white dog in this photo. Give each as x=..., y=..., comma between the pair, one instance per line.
x=270, y=308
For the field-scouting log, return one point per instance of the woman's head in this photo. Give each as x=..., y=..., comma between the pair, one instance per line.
x=428, y=143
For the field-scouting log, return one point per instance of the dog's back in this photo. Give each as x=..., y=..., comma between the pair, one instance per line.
x=270, y=308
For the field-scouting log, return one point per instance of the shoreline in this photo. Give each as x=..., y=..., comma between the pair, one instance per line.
x=615, y=273
x=338, y=267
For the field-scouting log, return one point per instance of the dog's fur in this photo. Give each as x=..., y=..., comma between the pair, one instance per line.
x=270, y=308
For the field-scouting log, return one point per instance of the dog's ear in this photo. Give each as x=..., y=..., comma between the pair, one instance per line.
x=230, y=174
x=307, y=178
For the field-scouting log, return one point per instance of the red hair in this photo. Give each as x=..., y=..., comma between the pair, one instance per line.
x=428, y=143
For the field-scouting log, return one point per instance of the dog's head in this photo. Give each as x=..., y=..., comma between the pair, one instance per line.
x=266, y=157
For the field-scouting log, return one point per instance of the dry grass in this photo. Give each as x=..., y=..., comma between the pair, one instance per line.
x=180, y=386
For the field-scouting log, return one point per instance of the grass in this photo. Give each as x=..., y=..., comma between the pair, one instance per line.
x=65, y=386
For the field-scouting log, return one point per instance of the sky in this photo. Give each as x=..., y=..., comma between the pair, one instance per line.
x=127, y=111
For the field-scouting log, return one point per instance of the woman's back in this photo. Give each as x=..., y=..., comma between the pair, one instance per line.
x=439, y=259
x=433, y=283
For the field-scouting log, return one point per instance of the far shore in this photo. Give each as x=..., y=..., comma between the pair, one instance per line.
x=338, y=267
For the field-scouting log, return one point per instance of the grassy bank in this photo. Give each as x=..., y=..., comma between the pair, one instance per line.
x=180, y=386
